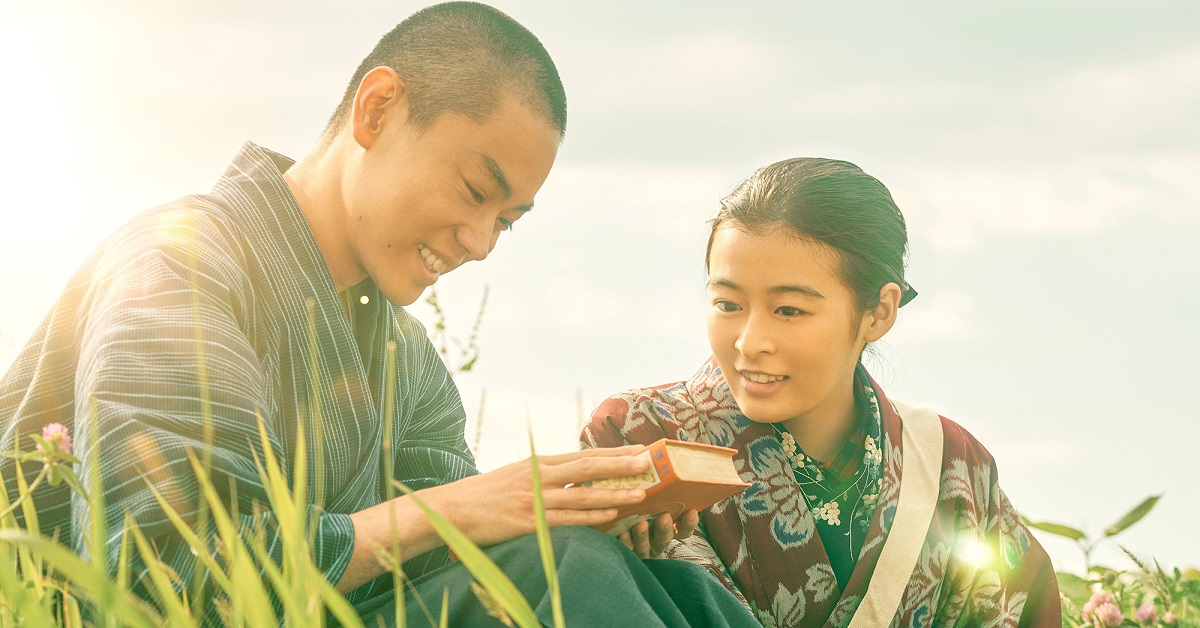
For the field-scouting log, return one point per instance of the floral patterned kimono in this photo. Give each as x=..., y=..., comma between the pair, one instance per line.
x=979, y=566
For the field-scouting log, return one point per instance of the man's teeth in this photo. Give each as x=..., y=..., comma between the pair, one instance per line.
x=759, y=378
x=434, y=262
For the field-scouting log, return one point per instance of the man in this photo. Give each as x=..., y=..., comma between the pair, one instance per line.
x=272, y=297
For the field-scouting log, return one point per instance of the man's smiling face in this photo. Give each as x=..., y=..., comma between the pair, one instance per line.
x=420, y=203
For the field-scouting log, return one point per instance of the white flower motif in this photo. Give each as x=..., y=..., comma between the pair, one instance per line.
x=873, y=453
x=830, y=513
x=790, y=449
x=789, y=443
x=833, y=513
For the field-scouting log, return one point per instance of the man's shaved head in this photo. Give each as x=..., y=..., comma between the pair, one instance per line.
x=462, y=57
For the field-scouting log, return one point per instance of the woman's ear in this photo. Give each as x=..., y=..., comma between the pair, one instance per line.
x=879, y=321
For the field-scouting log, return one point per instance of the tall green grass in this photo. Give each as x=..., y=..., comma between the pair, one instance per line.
x=45, y=583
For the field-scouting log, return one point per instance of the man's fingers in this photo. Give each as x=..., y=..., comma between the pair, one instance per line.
x=586, y=497
x=595, y=518
x=588, y=468
x=626, y=539
x=602, y=452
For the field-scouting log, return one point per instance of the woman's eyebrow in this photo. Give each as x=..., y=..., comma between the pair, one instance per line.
x=723, y=283
x=784, y=289
x=797, y=289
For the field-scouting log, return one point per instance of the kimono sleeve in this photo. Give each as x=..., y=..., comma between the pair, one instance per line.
x=1030, y=571
x=1019, y=586
x=166, y=364
x=627, y=418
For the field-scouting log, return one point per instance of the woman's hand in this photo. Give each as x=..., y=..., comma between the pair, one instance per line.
x=650, y=540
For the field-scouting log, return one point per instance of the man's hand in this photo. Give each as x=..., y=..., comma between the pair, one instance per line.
x=494, y=507
x=650, y=540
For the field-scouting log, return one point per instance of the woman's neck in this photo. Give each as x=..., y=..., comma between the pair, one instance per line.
x=824, y=430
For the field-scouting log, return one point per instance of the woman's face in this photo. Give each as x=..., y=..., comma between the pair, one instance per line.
x=783, y=325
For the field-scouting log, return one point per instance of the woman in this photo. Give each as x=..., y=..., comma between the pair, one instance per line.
x=806, y=268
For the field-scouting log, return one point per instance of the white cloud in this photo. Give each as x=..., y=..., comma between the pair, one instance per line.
x=688, y=70
x=664, y=201
x=1124, y=101
x=956, y=206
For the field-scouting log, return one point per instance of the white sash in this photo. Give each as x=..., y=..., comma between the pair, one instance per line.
x=920, y=481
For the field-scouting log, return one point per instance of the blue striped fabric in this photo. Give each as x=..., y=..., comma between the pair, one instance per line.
x=225, y=280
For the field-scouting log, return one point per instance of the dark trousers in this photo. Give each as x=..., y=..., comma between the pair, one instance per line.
x=602, y=584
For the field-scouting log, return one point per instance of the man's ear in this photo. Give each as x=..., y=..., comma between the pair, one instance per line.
x=379, y=102
x=879, y=321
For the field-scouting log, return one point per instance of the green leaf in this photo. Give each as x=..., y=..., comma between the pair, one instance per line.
x=1133, y=516
x=1074, y=587
x=1056, y=528
x=479, y=564
x=68, y=475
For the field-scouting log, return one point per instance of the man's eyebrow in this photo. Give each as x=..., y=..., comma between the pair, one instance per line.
x=784, y=289
x=497, y=173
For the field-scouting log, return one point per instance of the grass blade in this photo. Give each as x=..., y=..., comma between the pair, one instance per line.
x=502, y=590
x=199, y=549
x=124, y=605
x=386, y=472
x=543, y=533
x=178, y=612
x=445, y=623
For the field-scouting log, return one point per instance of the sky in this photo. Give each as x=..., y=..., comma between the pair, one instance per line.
x=1044, y=156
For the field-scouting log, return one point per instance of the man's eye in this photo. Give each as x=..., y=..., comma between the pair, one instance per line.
x=476, y=194
x=726, y=306
x=790, y=312
x=506, y=224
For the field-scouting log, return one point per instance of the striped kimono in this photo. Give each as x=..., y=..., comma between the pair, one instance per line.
x=979, y=566
x=225, y=281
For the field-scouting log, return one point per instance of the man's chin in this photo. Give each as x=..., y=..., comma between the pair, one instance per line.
x=403, y=295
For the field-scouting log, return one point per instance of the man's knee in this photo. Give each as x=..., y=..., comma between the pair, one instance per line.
x=581, y=535
x=568, y=543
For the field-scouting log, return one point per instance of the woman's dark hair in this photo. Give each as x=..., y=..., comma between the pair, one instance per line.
x=828, y=201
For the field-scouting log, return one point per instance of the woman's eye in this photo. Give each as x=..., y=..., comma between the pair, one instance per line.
x=506, y=224
x=476, y=194
x=726, y=306
x=790, y=312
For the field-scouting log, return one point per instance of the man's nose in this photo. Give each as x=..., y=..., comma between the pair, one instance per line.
x=476, y=238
